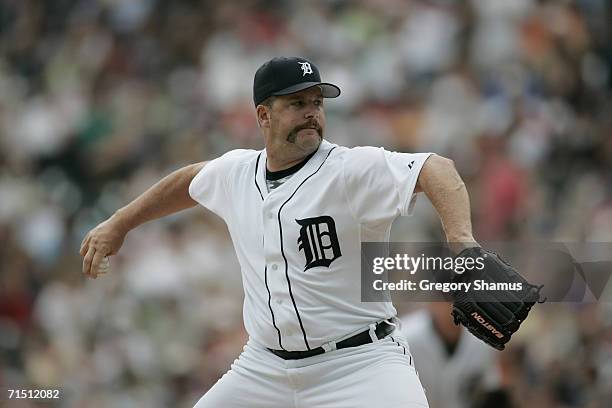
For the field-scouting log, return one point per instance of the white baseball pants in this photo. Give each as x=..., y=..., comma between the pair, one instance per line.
x=375, y=375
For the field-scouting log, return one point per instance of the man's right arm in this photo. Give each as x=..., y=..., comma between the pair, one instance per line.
x=168, y=196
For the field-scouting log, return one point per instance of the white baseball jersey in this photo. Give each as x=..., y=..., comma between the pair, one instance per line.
x=299, y=245
x=449, y=379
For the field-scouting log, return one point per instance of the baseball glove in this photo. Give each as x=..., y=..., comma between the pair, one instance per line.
x=492, y=315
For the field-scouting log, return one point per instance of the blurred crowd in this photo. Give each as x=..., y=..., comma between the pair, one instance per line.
x=99, y=99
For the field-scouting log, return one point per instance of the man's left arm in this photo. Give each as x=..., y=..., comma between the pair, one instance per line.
x=495, y=320
x=445, y=189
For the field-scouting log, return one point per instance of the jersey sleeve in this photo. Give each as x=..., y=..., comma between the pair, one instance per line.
x=210, y=186
x=380, y=184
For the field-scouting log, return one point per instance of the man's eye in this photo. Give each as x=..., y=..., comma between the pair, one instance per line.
x=318, y=102
x=297, y=103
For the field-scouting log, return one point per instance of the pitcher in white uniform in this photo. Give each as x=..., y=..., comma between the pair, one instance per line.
x=297, y=212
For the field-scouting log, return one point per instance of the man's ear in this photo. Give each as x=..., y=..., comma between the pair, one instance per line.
x=263, y=116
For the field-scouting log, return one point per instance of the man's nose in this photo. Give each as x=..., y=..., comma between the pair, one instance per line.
x=312, y=111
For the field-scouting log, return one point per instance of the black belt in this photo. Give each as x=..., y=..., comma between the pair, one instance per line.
x=383, y=329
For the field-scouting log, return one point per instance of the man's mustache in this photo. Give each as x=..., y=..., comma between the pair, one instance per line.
x=308, y=125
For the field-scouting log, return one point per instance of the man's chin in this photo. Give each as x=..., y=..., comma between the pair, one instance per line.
x=309, y=142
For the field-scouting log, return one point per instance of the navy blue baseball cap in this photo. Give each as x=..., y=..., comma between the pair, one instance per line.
x=287, y=75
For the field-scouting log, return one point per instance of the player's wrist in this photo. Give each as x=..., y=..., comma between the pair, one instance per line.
x=460, y=244
x=120, y=222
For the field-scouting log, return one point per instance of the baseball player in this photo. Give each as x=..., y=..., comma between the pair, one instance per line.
x=455, y=368
x=297, y=212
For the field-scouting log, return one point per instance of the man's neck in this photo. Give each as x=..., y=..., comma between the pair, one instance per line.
x=278, y=159
x=278, y=164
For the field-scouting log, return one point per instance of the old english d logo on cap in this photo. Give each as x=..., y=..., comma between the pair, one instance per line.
x=306, y=68
x=287, y=75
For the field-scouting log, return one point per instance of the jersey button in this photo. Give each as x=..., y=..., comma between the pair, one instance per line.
x=270, y=215
x=274, y=267
x=279, y=301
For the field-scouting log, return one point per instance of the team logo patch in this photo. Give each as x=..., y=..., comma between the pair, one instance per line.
x=319, y=241
x=306, y=68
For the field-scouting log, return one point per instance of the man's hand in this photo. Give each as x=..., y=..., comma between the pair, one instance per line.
x=105, y=239
x=168, y=196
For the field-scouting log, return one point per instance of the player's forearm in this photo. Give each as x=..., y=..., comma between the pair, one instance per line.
x=443, y=186
x=168, y=196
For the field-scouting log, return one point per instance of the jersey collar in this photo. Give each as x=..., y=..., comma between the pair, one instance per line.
x=277, y=175
x=310, y=167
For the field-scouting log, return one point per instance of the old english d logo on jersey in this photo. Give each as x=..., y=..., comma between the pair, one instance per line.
x=319, y=241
